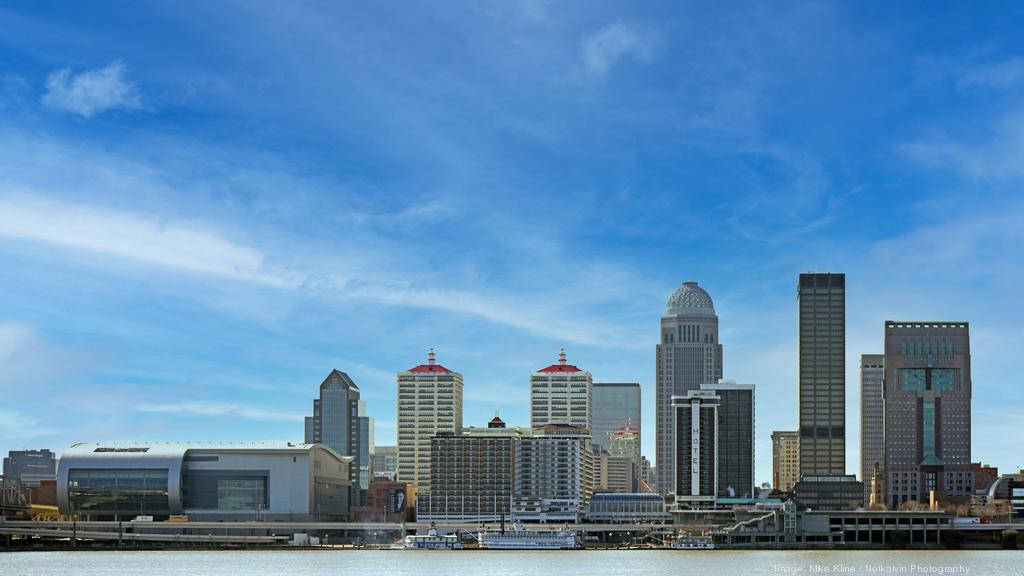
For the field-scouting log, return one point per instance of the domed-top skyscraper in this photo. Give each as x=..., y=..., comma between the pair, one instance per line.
x=688, y=355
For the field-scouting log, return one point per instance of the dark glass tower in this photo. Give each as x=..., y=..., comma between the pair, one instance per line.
x=335, y=422
x=822, y=373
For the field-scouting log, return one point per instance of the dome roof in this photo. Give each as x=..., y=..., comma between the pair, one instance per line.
x=690, y=300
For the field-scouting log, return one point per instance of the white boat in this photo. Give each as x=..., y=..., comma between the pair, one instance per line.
x=519, y=538
x=432, y=541
x=692, y=543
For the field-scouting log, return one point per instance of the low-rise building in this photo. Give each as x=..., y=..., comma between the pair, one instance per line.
x=829, y=492
x=1009, y=488
x=29, y=467
x=984, y=476
x=205, y=482
x=387, y=501
x=788, y=526
x=628, y=508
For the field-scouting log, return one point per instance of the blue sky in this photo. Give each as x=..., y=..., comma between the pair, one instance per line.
x=205, y=207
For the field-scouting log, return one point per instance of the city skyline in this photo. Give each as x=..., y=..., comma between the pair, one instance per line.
x=851, y=467
x=196, y=227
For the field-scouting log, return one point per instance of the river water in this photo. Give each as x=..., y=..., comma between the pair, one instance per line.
x=511, y=563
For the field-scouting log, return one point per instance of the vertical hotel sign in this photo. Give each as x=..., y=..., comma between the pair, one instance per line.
x=695, y=448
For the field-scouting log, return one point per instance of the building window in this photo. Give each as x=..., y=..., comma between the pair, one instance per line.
x=118, y=492
x=241, y=493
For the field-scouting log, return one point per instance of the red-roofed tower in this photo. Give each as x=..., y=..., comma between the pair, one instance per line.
x=429, y=402
x=561, y=394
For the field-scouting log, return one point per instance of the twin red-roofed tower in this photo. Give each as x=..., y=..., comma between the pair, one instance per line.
x=561, y=394
x=429, y=402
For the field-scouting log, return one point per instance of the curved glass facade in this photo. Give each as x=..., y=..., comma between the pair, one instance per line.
x=119, y=492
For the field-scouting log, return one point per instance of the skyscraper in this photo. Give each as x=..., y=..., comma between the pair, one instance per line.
x=366, y=448
x=561, y=394
x=615, y=404
x=735, y=438
x=696, y=444
x=688, y=355
x=429, y=402
x=927, y=411
x=872, y=419
x=335, y=422
x=822, y=369
x=785, y=460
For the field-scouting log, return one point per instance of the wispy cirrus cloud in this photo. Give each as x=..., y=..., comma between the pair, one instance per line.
x=141, y=238
x=995, y=155
x=183, y=247
x=213, y=409
x=91, y=92
x=603, y=49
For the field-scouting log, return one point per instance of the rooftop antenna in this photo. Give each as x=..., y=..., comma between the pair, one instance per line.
x=561, y=357
x=431, y=358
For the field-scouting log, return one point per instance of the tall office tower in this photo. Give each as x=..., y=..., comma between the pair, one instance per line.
x=822, y=368
x=872, y=419
x=696, y=474
x=30, y=467
x=385, y=461
x=335, y=422
x=554, y=474
x=366, y=449
x=615, y=404
x=471, y=474
x=429, y=402
x=689, y=355
x=735, y=438
x=561, y=394
x=927, y=411
x=785, y=460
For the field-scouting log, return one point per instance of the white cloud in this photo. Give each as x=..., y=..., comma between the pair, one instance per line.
x=91, y=92
x=219, y=409
x=602, y=49
x=135, y=237
x=192, y=249
x=1000, y=159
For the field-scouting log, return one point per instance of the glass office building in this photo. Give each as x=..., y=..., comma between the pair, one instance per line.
x=614, y=405
x=336, y=423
